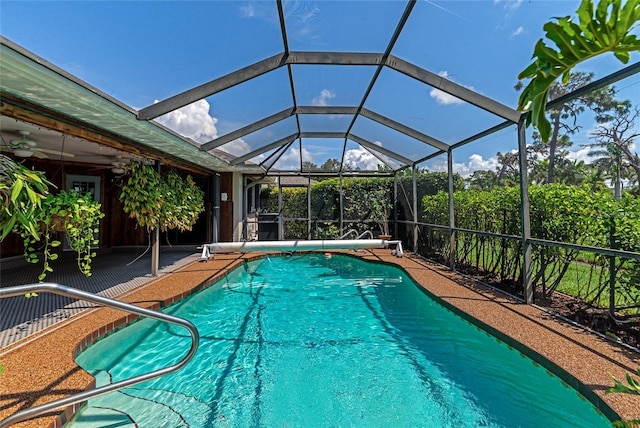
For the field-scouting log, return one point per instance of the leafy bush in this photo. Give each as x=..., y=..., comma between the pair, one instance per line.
x=366, y=201
x=560, y=213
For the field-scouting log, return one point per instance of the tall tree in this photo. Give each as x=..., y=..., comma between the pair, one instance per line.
x=609, y=163
x=309, y=166
x=607, y=27
x=482, y=180
x=564, y=116
x=332, y=165
x=615, y=136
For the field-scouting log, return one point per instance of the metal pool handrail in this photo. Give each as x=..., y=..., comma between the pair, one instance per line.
x=355, y=232
x=63, y=290
x=349, y=232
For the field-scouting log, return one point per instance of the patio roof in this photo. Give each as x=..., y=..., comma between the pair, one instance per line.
x=30, y=84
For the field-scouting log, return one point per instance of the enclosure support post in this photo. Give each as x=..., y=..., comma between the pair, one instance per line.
x=612, y=270
x=280, y=219
x=341, y=208
x=394, y=207
x=414, y=202
x=245, y=209
x=525, y=218
x=309, y=207
x=452, y=220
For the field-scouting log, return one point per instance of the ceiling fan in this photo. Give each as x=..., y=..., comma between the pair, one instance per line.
x=117, y=166
x=24, y=147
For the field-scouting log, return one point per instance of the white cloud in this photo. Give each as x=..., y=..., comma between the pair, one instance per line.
x=509, y=4
x=520, y=30
x=192, y=121
x=237, y=147
x=361, y=158
x=443, y=97
x=581, y=155
x=248, y=11
x=325, y=95
x=291, y=159
x=465, y=169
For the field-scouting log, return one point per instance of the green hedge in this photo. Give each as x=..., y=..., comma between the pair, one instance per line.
x=363, y=200
x=559, y=213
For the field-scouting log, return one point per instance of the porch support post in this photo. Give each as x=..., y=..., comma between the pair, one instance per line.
x=215, y=202
x=155, y=251
x=452, y=220
x=155, y=243
x=525, y=218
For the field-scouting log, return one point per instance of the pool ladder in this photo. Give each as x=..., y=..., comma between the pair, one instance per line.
x=63, y=290
x=355, y=232
x=398, y=252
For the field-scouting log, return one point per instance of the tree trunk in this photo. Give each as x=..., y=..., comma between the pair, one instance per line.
x=553, y=144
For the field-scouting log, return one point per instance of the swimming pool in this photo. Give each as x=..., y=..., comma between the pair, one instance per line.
x=309, y=341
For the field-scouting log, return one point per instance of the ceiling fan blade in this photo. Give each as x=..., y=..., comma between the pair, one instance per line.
x=54, y=152
x=39, y=154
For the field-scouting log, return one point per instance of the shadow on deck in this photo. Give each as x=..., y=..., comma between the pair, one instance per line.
x=113, y=273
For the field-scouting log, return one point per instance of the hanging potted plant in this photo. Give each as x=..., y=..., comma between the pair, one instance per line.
x=29, y=210
x=154, y=201
x=143, y=194
x=184, y=203
x=21, y=195
x=78, y=217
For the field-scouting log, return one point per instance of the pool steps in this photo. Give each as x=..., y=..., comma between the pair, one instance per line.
x=81, y=397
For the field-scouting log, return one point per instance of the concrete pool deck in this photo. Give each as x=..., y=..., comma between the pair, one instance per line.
x=41, y=368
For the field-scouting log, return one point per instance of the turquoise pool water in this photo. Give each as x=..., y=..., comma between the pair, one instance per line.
x=305, y=341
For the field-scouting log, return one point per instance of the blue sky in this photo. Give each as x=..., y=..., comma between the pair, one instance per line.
x=143, y=51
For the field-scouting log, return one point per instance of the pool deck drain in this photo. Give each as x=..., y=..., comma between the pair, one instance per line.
x=41, y=367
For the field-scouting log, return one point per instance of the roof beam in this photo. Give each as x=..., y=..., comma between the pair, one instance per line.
x=431, y=156
x=276, y=157
x=263, y=149
x=590, y=87
x=334, y=58
x=293, y=173
x=369, y=145
x=452, y=88
x=404, y=129
x=385, y=56
x=326, y=110
x=285, y=43
x=253, y=127
x=323, y=135
x=381, y=158
x=212, y=87
x=482, y=134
